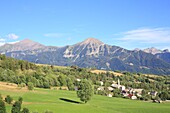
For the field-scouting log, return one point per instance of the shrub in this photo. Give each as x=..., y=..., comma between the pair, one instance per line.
x=30, y=86
x=20, y=99
x=8, y=99
x=25, y=110
x=16, y=107
x=2, y=107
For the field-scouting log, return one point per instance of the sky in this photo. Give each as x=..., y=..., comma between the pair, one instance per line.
x=126, y=23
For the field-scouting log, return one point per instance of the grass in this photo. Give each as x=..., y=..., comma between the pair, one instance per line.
x=104, y=71
x=61, y=101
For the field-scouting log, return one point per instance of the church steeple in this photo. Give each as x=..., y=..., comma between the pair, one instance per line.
x=118, y=82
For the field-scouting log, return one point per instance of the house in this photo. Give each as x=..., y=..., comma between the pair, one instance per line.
x=136, y=91
x=153, y=93
x=122, y=88
x=110, y=95
x=101, y=83
x=100, y=88
x=78, y=79
x=117, y=85
x=114, y=86
x=110, y=88
x=133, y=97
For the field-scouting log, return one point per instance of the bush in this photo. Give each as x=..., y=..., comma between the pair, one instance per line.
x=16, y=107
x=8, y=99
x=22, y=85
x=2, y=107
x=164, y=96
x=30, y=86
x=20, y=99
x=25, y=110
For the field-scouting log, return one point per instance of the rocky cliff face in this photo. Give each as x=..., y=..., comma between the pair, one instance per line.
x=162, y=54
x=91, y=53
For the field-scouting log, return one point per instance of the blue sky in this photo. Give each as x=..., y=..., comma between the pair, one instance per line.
x=126, y=23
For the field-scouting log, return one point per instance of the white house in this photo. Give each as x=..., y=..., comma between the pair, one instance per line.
x=101, y=83
x=133, y=97
x=110, y=88
x=100, y=88
x=78, y=79
x=110, y=95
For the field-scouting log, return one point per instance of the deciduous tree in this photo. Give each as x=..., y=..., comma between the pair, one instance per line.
x=85, y=90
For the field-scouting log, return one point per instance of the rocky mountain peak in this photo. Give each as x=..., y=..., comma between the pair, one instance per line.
x=28, y=44
x=152, y=50
x=166, y=50
x=23, y=45
x=91, y=41
x=26, y=41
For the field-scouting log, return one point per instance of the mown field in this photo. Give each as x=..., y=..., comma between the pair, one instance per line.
x=60, y=101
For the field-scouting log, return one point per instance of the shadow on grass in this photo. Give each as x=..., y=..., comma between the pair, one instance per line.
x=70, y=101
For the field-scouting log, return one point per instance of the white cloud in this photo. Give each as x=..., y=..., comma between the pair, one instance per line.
x=12, y=36
x=53, y=35
x=8, y=39
x=147, y=35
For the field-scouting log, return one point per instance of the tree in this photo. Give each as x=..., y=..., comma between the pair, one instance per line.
x=20, y=99
x=85, y=91
x=163, y=95
x=16, y=107
x=30, y=86
x=25, y=110
x=2, y=107
x=8, y=99
x=70, y=84
x=62, y=80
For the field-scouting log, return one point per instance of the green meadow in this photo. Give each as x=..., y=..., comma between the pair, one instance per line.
x=61, y=101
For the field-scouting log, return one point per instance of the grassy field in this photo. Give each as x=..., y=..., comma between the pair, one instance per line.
x=104, y=71
x=60, y=101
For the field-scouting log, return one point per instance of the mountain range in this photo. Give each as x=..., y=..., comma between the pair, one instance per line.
x=92, y=53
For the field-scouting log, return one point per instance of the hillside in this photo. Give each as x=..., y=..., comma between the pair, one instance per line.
x=15, y=75
x=41, y=100
x=92, y=53
x=47, y=76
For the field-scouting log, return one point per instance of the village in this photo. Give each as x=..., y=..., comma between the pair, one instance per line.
x=131, y=93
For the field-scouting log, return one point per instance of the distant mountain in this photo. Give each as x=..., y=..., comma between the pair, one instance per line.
x=21, y=46
x=152, y=50
x=90, y=53
x=162, y=54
